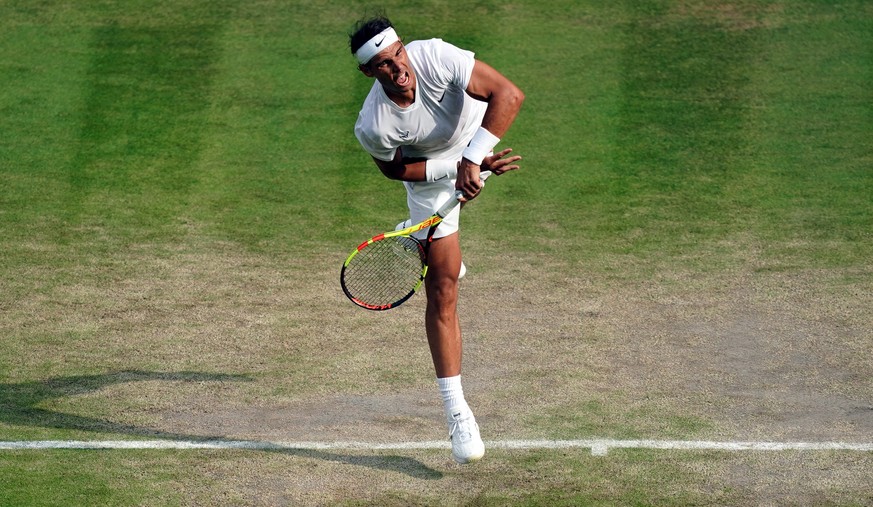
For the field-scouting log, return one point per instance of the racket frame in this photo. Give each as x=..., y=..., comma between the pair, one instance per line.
x=431, y=224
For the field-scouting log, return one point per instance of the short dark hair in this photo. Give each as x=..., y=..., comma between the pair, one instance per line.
x=365, y=30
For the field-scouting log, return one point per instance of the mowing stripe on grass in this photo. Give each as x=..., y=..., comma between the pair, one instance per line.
x=599, y=447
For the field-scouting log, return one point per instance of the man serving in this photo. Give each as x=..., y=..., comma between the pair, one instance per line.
x=432, y=120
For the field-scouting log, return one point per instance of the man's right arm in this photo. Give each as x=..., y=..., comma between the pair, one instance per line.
x=403, y=169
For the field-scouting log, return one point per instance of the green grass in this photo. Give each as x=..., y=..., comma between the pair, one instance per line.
x=172, y=173
x=88, y=478
x=627, y=478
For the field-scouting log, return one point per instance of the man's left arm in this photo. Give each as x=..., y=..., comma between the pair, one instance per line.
x=504, y=100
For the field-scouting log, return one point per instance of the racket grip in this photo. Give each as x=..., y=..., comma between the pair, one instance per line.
x=459, y=194
x=450, y=204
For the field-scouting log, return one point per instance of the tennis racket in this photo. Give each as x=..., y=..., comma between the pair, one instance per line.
x=386, y=270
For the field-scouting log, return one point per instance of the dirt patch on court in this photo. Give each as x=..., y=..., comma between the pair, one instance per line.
x=756, y=354
x=750, y=355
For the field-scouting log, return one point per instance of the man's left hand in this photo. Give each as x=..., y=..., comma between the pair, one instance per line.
x=498, y=165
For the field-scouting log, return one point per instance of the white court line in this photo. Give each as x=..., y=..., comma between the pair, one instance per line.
x=599, y=447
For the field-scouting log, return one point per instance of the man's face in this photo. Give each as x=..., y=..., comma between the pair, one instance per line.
x=391, y=68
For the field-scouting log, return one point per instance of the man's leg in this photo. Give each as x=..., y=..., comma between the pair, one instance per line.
x=444, y=337
x=441, y=320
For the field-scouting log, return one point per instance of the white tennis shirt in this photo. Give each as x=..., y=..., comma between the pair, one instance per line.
x=438, y=125
x=443, y=118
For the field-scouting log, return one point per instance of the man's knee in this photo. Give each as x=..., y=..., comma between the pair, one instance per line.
x=442, y=290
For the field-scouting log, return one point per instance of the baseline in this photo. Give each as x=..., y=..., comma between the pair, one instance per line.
x=598, y=447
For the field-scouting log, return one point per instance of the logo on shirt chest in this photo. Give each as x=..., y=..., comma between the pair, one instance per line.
x=404, y=135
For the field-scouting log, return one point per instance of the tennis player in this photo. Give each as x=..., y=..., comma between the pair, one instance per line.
x=432, y=120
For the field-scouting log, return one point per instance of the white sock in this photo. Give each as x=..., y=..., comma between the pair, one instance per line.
x=453, y=395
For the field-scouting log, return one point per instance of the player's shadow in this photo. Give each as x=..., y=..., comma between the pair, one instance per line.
x=19, y=406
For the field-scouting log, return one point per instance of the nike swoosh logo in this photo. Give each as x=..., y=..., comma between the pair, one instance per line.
x=442, y=97
x=381, y=41
x=404, y=135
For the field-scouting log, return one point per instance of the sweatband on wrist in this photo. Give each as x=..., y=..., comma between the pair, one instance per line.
x=379, y=42
x=437, y=169
x=481, y=144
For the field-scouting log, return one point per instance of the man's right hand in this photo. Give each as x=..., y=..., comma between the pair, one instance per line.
x=468, y=180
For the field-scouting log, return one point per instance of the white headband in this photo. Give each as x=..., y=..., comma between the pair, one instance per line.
x=375, y=45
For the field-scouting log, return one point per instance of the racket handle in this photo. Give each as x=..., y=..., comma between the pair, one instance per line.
x=450, y=204
x=456, y=198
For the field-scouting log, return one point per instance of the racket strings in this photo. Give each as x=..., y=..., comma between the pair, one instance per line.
x=385, y=271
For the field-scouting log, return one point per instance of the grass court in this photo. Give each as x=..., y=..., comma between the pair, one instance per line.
x=684, y=256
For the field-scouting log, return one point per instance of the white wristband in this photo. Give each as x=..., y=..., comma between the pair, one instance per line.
x=480, y=146
x=437, y=169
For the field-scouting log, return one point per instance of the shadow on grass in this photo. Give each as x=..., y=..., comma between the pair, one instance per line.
x=18, y=406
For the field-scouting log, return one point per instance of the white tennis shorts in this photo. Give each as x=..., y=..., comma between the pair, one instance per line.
x=425, y=198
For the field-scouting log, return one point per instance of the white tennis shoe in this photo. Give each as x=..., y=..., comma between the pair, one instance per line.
x=467, y=445
x=408, y=222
